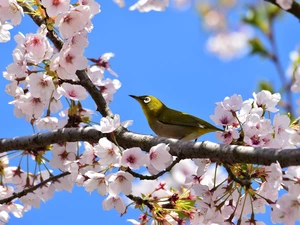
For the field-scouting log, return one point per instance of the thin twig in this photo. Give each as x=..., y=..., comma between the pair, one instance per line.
x=32, y=189
x=140, y=201
x=275, y=59
x=155, y=176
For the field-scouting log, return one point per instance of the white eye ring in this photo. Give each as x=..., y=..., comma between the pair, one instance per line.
x=147, y=100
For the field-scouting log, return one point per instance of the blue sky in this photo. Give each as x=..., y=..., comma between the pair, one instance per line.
x=162, y=54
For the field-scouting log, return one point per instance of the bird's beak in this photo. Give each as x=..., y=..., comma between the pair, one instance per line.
x=135, y=97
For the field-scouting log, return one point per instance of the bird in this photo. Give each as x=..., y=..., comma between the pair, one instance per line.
x=170, y=123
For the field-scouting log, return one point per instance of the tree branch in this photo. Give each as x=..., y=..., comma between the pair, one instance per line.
x=155, y=176
x=185, y=150
x=295, y=9
x=32, y=189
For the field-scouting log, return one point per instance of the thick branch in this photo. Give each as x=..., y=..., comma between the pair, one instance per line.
x=127, y=139
x=295, y=10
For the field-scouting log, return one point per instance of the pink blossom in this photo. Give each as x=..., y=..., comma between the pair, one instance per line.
x=223, y=117
x=74, y=92
x=74, y=21
x=48, y=122
x=266, y=100
x=108, y=88
x=54, y=7
x=40, y=85
x=107, y=151
x=72, y=59
x=31, y=199
x=149, y=5
x=37, y=47
x=227, y=136
x=11, y=10
x=108, y=124
x=96, y=181
x=233, y=103
x=114, y=202
x=120, y=3
x=285, y=4
x=31, y=106
x=134, y=158
x=120, y=182
x=4, y=31
x=159, y=156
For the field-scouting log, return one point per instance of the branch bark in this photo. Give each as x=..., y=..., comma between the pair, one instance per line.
x=185, y=150
x=294, y=10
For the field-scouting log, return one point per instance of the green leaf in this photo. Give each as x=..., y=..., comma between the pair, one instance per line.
x=258, y=48
x=265, y=85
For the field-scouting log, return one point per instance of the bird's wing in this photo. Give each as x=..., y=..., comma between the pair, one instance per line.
x=184, y=119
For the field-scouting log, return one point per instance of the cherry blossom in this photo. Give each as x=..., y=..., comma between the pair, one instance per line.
x=4, y=31
x=11, y=10
x=96, y=181
x=120, y=182
x=134, y=158
x=120, y=3
x=48, y=122
x=31, y=106
x=114, y=202
x=285, y=4
x=103, y=63
x=72, y=59
x=107, y=151
x=223, y=117
x=148, y=5
x=108, y=88
x=62, y=154
x=159, y=156
x=266, y=100
x=227, y=136
x=36, y=46
x=40, y=84
x=74, y=92
x=233, y=103
x=94, y=6
x=108, y=125
x=74, y=21
x=228, y=45
x=54, y=7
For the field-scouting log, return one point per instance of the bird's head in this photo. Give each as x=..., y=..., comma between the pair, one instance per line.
x=151, y=106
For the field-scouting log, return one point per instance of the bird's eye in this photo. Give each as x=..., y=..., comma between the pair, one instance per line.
x=147, y=100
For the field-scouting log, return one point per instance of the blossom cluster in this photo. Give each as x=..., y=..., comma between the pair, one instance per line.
x=40, y=76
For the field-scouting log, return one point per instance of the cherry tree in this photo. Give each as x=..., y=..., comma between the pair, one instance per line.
x=256, y=155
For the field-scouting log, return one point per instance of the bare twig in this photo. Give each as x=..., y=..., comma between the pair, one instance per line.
x=155, y=176
x=275, y=59
x=32, y=189
x=140, y=201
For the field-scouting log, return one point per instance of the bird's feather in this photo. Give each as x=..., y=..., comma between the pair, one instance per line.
x=184, y=119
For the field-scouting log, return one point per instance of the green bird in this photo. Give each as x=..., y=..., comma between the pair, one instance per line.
x=170, y=123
